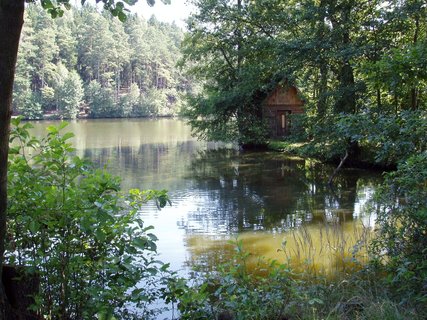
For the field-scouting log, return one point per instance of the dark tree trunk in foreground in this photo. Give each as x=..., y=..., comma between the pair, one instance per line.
x=11, y=20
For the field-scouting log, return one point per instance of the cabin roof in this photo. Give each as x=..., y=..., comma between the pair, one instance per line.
x=283, y=95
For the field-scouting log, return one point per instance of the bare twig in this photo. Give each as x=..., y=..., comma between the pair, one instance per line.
x=331, y=178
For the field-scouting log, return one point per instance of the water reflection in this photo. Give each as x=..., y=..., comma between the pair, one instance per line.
x=268, y=191
x=218, y=193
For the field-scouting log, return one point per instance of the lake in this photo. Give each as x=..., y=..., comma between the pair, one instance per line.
x=279, y=206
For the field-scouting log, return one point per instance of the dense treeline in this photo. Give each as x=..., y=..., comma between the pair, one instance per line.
x=91, y=62
x=357, y=64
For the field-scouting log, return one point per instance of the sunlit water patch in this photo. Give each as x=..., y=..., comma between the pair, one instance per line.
x=325, y=249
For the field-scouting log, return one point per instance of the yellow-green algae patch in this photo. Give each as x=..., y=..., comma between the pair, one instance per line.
x=322, y=249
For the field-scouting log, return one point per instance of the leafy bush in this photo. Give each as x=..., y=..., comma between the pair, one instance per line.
x=298, y=127
x=129, y=101
x=232, y=292
x=396, y=137
x=69, y=94
x=331, y=137
x=70, y=224
x=274, y=291
x=401, y=245
x=151, y=103
x=32, y=110
x=383, y=139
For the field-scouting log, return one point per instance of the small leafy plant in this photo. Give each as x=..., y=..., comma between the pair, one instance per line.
x=69, y=224
x=234, y=292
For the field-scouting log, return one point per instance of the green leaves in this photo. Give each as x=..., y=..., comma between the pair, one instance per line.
x=229, y=53
x=71, y=223
x=402, y=223
x=106, y=315
x=146, y=243
x=53, y=9
x=231, y=290
x=119, y=11
x=49, y=83
x=159, y=196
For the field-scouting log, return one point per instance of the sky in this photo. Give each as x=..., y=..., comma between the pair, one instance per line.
x=177, y=11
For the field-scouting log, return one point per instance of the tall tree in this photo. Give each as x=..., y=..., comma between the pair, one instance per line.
x=45, y=33
x=11, y=21
x=347, y=57
x=226, y=53
x=116, y=56
x=136, y=29
x=23, y=98
x=66, y=41
x=96, y=51
x=68, y=93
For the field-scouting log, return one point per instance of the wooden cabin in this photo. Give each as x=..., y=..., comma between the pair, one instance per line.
x=278, y=106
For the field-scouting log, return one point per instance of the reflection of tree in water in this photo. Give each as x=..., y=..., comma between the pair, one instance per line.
x=232, y=191
x=269, y=191
x=146, y=166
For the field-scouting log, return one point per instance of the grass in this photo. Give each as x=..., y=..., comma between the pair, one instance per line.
x=324, y=274
x=285, y=146
x=324, y=249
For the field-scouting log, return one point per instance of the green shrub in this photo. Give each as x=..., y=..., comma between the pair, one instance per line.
x=70, y=224
x=232, y=292
x=401, y=245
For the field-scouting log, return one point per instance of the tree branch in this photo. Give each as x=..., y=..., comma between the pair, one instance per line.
x=331, y=178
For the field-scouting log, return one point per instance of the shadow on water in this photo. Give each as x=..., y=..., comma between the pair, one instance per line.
x=269, y=191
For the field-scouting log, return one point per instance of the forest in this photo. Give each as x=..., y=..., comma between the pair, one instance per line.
x=359, y=66
x=89, y=64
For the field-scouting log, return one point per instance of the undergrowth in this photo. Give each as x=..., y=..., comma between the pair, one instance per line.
x=271, y=290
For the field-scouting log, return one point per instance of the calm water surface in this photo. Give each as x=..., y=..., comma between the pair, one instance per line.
x=268, y=199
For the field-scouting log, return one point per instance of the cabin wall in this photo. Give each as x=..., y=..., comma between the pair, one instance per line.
x=278, y=107
x=294, y=109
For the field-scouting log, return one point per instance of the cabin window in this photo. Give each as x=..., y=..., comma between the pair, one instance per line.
x=283, y=121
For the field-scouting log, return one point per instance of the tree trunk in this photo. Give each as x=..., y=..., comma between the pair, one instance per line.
x=239, y=41
x=11, y=21
x=323, y=87
x=414, y=99
x=414, y=96
x=346, y=101
x=379, y=103
x=323, y=68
